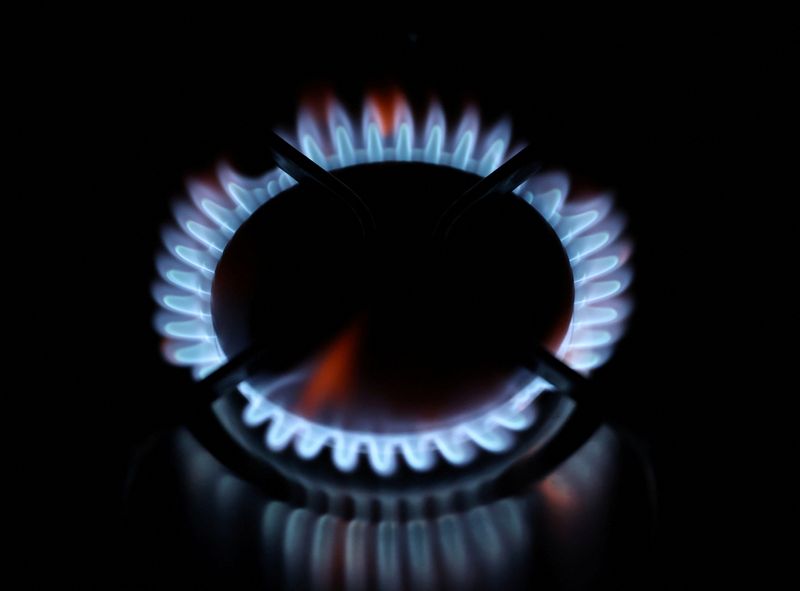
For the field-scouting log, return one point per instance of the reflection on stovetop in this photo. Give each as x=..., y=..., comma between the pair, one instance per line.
x=194, y=521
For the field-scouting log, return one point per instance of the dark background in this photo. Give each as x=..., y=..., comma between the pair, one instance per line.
x=142, y=110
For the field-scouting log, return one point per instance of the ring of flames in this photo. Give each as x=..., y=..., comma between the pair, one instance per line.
x=589, y=230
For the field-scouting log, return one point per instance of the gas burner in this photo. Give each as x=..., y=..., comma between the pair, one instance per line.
x=242, y=265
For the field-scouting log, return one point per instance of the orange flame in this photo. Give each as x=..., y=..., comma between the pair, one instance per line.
x=334, y=378
x=386, y=103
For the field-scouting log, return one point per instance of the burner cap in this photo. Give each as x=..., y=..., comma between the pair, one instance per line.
x=399, y=327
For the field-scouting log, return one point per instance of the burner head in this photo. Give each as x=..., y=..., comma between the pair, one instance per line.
x=400, y=323
x=400, y=354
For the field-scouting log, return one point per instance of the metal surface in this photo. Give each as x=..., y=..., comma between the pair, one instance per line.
x=301, y=167
x=502, y=181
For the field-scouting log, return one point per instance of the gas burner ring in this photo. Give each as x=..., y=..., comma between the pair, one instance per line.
x=589, y=232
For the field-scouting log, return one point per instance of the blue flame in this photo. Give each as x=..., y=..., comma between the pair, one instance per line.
x=589, y=231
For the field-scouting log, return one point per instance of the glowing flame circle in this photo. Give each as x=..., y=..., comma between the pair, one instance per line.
x=589, y=230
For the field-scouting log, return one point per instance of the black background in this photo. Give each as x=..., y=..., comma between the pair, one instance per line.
x=142, y=111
